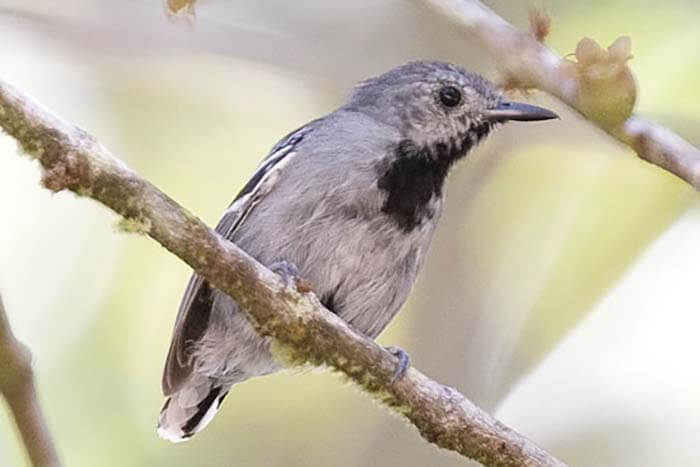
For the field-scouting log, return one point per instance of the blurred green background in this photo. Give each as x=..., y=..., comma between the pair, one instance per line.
x=560, y=292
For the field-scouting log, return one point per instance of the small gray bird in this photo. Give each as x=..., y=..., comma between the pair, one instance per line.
x=349, y=202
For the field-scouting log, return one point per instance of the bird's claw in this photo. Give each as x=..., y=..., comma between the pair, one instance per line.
x=287, y=271
x=404, y=361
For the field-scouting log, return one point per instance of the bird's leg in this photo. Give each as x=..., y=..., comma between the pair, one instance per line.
x=403, y=364
x=287, y=271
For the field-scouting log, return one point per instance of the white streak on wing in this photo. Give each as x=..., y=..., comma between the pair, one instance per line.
x=240, y=209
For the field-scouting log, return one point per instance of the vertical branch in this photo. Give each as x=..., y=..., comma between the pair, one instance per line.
x=17, y=387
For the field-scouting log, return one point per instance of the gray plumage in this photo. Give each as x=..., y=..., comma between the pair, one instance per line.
x=352, y=199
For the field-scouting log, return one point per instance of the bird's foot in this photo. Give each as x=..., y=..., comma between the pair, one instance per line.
x=403, y=364
x=287, y=271
x=290, y=276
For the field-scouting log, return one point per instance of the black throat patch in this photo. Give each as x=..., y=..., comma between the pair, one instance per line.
x=416, y=174
x=411, y=180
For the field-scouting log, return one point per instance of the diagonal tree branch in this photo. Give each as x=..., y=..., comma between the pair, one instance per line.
x=527, y=63
x=303, y=331
x=17, y=387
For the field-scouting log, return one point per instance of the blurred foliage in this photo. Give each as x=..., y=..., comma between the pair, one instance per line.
x=540, y=224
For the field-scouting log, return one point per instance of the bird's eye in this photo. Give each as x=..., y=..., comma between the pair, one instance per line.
x=450, y=96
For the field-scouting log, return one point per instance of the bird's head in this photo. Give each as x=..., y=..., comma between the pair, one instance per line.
x=439, y=106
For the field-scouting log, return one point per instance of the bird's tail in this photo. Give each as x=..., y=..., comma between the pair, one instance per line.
x=190, y=409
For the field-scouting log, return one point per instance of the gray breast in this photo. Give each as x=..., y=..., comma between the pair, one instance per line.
x=329, y=220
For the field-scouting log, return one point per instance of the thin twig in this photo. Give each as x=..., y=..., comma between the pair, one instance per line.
x=525, y=60
x=17, y=386
x=303, y=331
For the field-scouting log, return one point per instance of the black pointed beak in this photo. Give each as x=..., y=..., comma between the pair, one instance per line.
x=519, y=112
